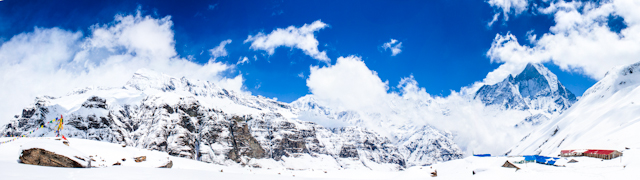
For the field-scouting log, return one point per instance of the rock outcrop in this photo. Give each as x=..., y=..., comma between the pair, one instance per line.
x=41, y=157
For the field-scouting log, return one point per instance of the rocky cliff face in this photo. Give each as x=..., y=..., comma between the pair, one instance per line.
x=199, y=120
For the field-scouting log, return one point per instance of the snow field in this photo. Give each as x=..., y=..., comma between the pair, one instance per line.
x=585, y=169
x=182, y=168
x=485, y=167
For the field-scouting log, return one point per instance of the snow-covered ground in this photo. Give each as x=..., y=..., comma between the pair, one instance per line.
x=182, y=168
x=586, y=168
x=485, y=167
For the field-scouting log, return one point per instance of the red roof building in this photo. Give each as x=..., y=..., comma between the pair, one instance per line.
x=596, y=153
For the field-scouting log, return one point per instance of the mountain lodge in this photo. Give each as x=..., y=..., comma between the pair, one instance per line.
x=596, y=153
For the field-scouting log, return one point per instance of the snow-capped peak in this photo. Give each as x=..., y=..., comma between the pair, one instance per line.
x=532, y=71
x=534, y=88
x=144, y=79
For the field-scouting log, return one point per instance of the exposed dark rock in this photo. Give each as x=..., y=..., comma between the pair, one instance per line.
x=140, y=159
x=348, y=151
x=95, y=102
x=243, y=142
x=28, y=113
x=191, y=109
x=37, y=156
x=168, y=165
x=289, y=145
x=168, y=108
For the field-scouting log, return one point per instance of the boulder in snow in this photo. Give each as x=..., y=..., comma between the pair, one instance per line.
x=169, y=165
x=37, y=156
x=52, y=153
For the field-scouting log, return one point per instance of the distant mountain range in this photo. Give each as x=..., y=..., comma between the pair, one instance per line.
x=200, y=120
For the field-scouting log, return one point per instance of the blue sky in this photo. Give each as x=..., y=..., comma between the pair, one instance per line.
x=444, y=42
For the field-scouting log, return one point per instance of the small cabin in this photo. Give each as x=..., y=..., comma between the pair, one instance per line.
x=596, y=153
x=602, y=154
x=508, y=164
x=571, y=153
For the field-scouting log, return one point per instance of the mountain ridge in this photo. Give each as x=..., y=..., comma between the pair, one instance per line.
x=178, y=115
x=181, y=116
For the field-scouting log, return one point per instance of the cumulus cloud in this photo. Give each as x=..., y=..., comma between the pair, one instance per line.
x=53, y=61
x=393, y=45
x=220, y=51
x=580, y=41
x=349, y=84
x=507, y=7
x=302, y=38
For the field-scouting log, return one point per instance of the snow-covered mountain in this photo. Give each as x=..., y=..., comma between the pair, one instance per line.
x=419, y=144
x=503, y=113
x=534, y=88
x=606, y=117
x=200, y=120
x=195, y=119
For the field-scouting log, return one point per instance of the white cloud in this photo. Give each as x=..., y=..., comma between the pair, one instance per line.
x=394, y=46
x=220, y=51
x=56, y=61
x=494, y=20
x=507, y=7
x=531, y=36
x=302, y=38
x=580, y=41
x=243, y=60
x=348, y=84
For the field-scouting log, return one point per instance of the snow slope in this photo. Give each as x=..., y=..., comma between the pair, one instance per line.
x=606, y=117
x=108, y=153
x=486, y=168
